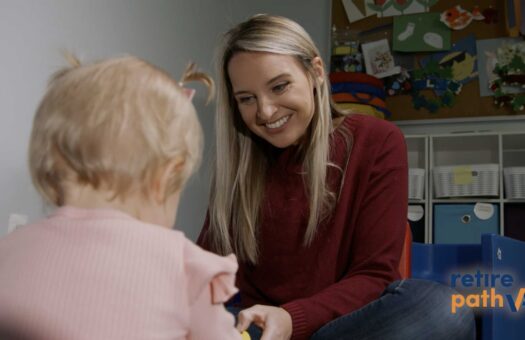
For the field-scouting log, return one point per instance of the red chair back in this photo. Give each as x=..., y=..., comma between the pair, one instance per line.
x=404, y=263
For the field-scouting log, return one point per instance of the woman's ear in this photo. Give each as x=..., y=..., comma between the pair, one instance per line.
x=317, y=64
x=163, y=177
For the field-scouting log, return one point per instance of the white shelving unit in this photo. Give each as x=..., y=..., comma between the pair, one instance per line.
x=417, y=150
x=464, y=149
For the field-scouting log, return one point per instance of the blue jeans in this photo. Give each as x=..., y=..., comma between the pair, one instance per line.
x=407, y=309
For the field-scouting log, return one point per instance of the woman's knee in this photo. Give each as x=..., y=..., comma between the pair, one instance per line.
x=433, y=302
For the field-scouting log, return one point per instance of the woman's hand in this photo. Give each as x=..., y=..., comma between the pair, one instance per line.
x=275, y=322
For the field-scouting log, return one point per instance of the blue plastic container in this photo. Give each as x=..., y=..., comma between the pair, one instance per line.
x=493, y=255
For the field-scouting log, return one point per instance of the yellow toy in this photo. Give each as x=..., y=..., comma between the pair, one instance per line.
x=245, y=336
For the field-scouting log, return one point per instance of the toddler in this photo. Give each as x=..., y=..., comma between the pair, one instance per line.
x=112, y=145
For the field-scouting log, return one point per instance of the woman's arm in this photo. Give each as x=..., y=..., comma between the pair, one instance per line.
x=376, y=241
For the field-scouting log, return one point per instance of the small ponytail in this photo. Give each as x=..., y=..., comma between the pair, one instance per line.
x=191, y=73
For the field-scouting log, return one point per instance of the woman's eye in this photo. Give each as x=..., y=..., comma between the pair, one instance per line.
x=245, y=100
x=280, y=87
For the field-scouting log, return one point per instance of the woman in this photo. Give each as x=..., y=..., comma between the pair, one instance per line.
x=312, y=200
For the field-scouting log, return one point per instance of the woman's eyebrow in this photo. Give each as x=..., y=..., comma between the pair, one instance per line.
x=277, y=77
x=241, y=92
x=282, y=75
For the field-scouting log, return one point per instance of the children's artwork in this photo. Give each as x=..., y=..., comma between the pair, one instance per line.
x=510, y=69
x=388, y=8
x=457, y=18
x=420, y=33
x=513, y=17
x=436, y=78
x=398, y=83
x=379, y=61
x=356, y=10
x=487, y=60
x=460, y=59
x=360, y=9
x=347, y=63
x=346, y=55
x=522, y=18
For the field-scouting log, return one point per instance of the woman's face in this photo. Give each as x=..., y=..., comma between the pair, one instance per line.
x=274, y=95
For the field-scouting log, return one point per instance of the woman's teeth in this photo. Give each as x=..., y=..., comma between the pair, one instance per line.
x=278, y=123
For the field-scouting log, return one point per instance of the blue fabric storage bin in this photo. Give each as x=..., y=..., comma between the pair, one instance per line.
x=457, y=223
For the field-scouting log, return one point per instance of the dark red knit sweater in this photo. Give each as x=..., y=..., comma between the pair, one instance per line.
x=355, y=253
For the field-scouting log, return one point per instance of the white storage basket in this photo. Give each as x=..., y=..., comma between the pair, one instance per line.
x=482, y=180
x=514, y=178
x=416, y=183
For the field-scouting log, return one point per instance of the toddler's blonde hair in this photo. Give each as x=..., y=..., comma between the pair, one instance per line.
x=112, y=125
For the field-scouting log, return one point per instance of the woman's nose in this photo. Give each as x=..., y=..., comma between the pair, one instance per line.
x=266, y=109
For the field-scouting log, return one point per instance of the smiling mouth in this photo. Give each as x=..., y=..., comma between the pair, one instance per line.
x=277, y=124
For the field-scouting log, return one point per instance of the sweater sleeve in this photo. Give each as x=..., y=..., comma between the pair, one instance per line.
x=376, y=244
x=210, y=284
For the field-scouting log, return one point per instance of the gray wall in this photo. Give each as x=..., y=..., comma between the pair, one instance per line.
x=165, y=32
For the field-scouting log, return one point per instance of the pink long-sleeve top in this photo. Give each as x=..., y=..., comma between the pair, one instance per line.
x=102, y=274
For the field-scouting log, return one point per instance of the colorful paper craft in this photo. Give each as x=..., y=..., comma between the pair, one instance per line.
x=420, y=33
x=487, y=60
x=356, y=10
x=379, y=61
x=398, y=84
x=457, y=18
x=388, y=8
x=360, y=9
x=510, y=68
x=439, y=79
x=461, y=59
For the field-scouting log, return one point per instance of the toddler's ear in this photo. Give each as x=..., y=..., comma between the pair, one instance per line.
x=164, y=176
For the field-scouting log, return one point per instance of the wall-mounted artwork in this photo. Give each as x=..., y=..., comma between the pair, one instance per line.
x=457, y=18
x=487, y=60
x=388, y=8
x=360, y=9
x=460, y=99
x=461, y=58
x=420, y=33
x=379, y=61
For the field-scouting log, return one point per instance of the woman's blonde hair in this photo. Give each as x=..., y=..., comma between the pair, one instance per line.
x=242, y=159
x=112, y=124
